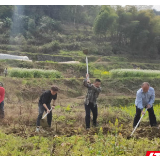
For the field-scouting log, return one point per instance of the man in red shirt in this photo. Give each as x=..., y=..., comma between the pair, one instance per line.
x=2, y=94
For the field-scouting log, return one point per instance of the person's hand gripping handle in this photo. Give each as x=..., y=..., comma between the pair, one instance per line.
x=87, y=77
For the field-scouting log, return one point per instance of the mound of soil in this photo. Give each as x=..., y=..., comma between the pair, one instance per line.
x=143, y=131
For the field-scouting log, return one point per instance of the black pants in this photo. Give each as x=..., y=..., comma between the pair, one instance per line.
x=2, y=109
x=41, y=111
x=88, y=108
x=152, y=117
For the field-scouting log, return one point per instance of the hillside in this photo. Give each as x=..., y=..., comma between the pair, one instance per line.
x=54, y=37
x=61, y=33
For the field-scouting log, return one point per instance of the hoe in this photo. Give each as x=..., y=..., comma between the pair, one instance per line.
x=86, y=52
x=137, y=125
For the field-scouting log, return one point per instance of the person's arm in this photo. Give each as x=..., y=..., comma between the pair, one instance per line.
x=45, y=106
x=54, y=102
x=44, y=102
x=152, y=99
x=86, y=82
x=2, y=94
x=139, y=100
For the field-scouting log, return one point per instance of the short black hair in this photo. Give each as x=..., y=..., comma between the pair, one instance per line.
x=54, y=88
x=97, y=80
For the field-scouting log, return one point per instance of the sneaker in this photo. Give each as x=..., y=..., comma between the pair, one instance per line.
x=87, y=129
x=37, y=129
x=40, y=130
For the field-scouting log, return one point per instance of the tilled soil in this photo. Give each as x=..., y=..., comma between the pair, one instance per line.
x=143, y=131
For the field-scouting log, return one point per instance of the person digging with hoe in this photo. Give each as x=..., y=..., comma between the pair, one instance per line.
x=144, y=99
x=90, y=100
x=44, y=105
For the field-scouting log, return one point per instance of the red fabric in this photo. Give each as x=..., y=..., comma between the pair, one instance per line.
x=2, y=93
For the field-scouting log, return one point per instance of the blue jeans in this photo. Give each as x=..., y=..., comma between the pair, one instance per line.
x=41, y=111
x=2, y=109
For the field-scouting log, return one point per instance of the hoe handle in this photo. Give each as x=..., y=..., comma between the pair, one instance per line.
x=87, y=65
x=46, y=114
x=138, y=123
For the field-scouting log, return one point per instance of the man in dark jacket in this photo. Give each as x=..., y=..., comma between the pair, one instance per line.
x=44, y=105
x=91, y=100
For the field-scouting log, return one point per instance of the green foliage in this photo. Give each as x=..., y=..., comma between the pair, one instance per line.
x=101, y=74
x=50, y=47
x=134, y=73
x=131, y=29
x=72, y=53
x=6, y=11
x=34, y=73
x=7, y=22
x=47, y=24
x=131, y=110
x=105, y=20
x=67, y=109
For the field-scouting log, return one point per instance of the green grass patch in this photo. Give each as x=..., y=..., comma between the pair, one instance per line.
x=34, y=73
x=131, y=110
x=101, y=73
x=134, y=73
x=72, y=53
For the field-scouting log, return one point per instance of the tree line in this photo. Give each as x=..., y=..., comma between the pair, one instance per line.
x=33, y=20
x=134, y=27
x=130, y=26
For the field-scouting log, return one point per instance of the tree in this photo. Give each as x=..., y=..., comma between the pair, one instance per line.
x=126, y=24
x=31, y=26
x=7, y=22
x=105, y=20
x=91, y=11
x=139, y=7
x=6, y=11
x=144, y=7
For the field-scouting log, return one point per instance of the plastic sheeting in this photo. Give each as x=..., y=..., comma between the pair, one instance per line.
x=8, y=56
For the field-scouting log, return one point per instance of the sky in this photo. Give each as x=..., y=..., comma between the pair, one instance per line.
x=157, y=7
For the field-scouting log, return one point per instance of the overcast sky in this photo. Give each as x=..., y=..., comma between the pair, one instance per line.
x=156, y=7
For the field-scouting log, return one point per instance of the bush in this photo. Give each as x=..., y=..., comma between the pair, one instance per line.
x=100, y=73
x=134, y=73
x=34, y=73
x=50, y=47
x=72, y=46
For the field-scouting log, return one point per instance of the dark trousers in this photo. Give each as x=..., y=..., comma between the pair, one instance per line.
x=88, y=108
x=41, y=111
x=152, y=117
x=2, y=109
